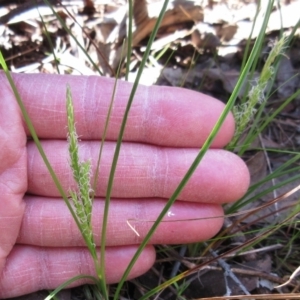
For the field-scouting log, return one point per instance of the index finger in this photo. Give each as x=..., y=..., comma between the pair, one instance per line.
x=164, y=116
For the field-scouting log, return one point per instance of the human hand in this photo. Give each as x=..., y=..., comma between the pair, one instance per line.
x=40, y=245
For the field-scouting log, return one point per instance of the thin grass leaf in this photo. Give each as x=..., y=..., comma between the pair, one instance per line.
x=205, y=146
x=247, y=48
x=101, y=264
x=35, y=137
x=280, y=171
x=200, y=155
x=68, y=282
x=67, y=29
x=106, y=124
x=120, y=138
x=48, y=39
x=129, y=37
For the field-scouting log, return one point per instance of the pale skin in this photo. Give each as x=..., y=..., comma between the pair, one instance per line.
x=40, y=245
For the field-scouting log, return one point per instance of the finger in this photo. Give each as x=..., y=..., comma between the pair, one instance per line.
x=48, y=222
x=13, y=171
x=144, y=171
x=30, y=269
x=159, y=115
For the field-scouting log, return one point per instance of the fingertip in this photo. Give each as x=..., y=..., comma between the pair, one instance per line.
x=144, y=263
x=198, y=222
x=238, y=179
x=181, y=117
x=38, y=268
x=226, y=133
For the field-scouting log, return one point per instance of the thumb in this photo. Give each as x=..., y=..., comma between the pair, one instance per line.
x=13, y=169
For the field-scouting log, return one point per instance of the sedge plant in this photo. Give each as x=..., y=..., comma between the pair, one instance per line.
x=80, y=202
